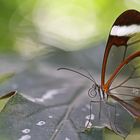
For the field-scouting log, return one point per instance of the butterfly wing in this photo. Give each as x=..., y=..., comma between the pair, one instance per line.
x=126, y=26
x=123, y=84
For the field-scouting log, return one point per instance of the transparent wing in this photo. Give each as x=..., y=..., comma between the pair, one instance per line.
x=126, y=84
x=124, y=32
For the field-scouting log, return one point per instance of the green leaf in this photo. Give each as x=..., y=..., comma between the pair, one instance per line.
x=5, y=98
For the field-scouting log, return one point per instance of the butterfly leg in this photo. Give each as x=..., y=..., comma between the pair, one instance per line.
x=89, y=123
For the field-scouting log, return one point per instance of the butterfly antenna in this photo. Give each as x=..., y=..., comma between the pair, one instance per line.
x=88, y=74
x=68, y=69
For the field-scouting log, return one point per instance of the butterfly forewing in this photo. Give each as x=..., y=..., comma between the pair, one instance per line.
x=123, y=47
x=126, y=26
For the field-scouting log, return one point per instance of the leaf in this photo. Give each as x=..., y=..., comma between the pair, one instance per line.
x=54, y=105
x=5, y=98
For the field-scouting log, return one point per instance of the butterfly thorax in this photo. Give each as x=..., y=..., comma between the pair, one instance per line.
x=97, y=91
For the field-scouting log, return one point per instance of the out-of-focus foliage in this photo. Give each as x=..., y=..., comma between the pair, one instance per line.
x=11, y=15
x=69, y=25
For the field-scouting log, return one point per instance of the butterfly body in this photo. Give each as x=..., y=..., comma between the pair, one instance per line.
x=97, y=90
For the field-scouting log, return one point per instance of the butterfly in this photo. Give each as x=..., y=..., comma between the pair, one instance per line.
x=125, y=28
x=123, y=42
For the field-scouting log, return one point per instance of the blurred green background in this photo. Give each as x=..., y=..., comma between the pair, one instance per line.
x=30, y=25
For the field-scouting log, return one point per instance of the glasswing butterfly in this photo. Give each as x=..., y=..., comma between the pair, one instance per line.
x=123, y=42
